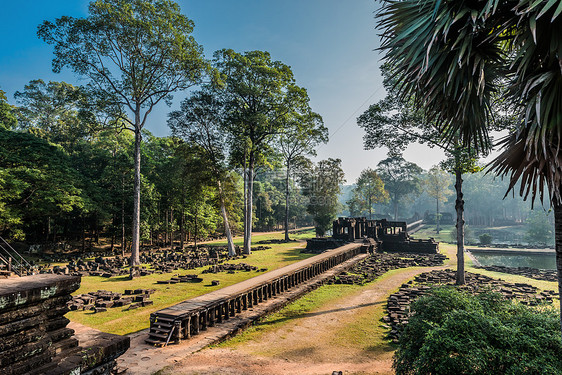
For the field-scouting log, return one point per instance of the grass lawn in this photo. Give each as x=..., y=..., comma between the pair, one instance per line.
x=120, y=321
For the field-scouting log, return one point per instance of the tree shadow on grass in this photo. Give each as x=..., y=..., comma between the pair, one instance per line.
x=318, y=313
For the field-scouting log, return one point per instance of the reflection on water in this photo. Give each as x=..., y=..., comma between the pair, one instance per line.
x=541, y=261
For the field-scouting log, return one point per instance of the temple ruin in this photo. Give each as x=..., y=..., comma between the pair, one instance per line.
x=388, y=236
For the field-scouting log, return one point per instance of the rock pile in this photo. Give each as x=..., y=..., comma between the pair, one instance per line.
x=398, y=305
x=532, y=273
x=181, y=279
x=101, y=300
x=232, y=268
x=379, y=263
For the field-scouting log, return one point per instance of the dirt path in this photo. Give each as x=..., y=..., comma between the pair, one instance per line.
x=310, y=344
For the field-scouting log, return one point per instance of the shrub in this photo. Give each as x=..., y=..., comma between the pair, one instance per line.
x=454, y=332
x=485, y=239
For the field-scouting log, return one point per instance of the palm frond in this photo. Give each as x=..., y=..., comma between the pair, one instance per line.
x=536, y=165
x=445, y=60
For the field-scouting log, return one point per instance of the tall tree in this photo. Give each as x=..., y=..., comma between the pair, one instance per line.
x=321, y=185
x=437, y=186
x=135, y=54
x=400, y=177
x=304, y=131
x=200, y=121
x=258, y=94
x=368, y=190
x=531, y=33
x=395, y=122
x=443, y=60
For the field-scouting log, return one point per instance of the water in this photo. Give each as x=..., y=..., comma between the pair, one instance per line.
x=541, y=261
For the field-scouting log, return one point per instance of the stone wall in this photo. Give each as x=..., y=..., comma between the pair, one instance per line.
x=34, y=338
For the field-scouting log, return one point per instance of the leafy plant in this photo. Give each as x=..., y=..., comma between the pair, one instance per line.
x=453, y=332
x=485, y=239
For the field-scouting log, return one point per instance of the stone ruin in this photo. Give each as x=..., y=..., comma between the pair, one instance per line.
x=388, y=236
x=35, y=339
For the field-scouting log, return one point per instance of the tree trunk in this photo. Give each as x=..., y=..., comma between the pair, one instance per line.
x=287, y=239
x=172, y=228
x=558, y=246
x=123, y=216
x=248, y=218
x=395, y=208
x=182, y=229
x=437, y=218
x=83, y=234
x=196, y=232
x=230, y=243
x=135, y=258
x=459, y=206
x=245, y=213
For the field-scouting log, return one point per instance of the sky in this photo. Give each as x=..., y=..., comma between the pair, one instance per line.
x=329, y=44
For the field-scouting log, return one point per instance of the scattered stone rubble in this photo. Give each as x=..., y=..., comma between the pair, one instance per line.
x=101, y=300
x=181, y=279
x=232, y=268
x=532, y=273
x=379, y=263
x=158, y=262
x=398, y=305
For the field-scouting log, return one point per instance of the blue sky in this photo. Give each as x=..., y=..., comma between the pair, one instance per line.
x=329, y=44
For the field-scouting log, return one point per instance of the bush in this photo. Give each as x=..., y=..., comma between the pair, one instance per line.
x=454, y=332
x=485, y=239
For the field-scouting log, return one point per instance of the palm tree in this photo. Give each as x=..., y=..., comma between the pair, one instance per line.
x=515, y=42
x=445, y=62
x=531, y=155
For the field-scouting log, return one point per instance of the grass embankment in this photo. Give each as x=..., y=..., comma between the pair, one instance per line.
x=121, y=321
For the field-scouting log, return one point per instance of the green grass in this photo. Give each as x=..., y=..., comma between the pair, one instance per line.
x=120, y=321
x=428, y=230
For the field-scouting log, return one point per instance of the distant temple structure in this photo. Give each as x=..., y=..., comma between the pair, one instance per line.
x=387, y=236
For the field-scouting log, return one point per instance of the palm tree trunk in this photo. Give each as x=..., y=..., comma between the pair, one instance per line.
x=459, y=206
x=558, y=245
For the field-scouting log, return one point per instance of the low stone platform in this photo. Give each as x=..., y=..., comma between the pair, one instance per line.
x=142, y=359
x=188, y=318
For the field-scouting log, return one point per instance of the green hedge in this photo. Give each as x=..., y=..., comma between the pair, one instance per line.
x=454, y=332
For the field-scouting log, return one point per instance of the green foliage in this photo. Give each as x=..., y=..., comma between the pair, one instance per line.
x=437, y=184
x=321, y=185
x=8, y=119
x=485, y=239
x=400, y=177
x=37, y=181
x=55, y=111
x=368, y=190
x=453, y=332
x=135, y=53
x=540, y=228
